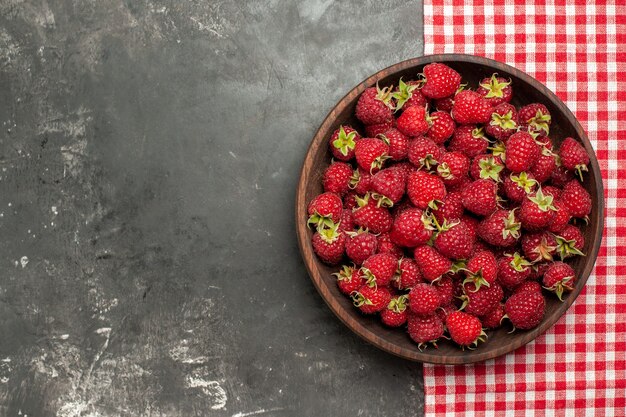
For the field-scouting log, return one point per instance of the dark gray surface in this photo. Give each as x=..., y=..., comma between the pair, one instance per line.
x=149, y=154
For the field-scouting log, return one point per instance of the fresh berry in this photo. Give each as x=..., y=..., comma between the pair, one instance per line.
x=465, y=329
x=325, y=210
x=561, y=216
x=535, y=118
x=424, y=299
x=342, y=142
x=493, y=319
x=412, y=121
x=453, y=240
x=501, y=228
x=576, y=199
x=545, y=163
x=411, y=228
x=496, y=90
x=337, y=178
x=470, y=107
x=537, y=211
x=486, y=166
x=570, y=241
x=480, y=245
x=329, y=244
x=388, y=186
x=559, y=278
x=372, y=131
x=470, y=140
x=398, y=144
x=425, y=329
x=574, y=156
x=446, y=288
x=525, y=309
x=349, y=201
x=425, y=190
x=406, y=168
x=349, y=279
x=371, y=300
x=481, y=269
x=408, y=275
x=521, y=152
x=513, y=270
x=458, y=187
x=361, y=181
x=431, y=263
x=440, y=81
x=371, y=154
x=553, y=191
x=480, y=302
x=453, y=167
x=518, y=186
x=503, y=122
x=538, y=270
x=450, y=208
x=441, y=128
x=423, y=152
x=528, y=286
x=369, y=216
x=374, y=106
x=347, y=220
x=561, y=176
x=379, y=269
x=480, y=197
x=444, y=311
x=385, y=245
x=472, y=227
x=360, y=245
x=538, y=246
x=395, y=314
x=445, y=104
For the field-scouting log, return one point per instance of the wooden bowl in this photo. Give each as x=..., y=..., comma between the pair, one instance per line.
x=395, y=341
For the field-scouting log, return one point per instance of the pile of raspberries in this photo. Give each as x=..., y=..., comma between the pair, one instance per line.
x=451, y=211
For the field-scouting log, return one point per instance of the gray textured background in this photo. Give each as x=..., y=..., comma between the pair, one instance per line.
x=149, y=153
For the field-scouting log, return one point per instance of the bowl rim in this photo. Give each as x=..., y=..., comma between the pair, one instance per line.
x=307, y=253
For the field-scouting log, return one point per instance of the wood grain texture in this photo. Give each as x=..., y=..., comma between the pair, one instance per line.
x=473, y=69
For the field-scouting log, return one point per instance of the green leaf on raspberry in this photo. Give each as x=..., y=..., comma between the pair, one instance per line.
x=382, y=200
x=541, y=122
x=404, y=93
x=345, y=274
x=360, y=300
x=523, y=181
x=519, y=263
x=511, y=226
x=489, y=169
x=544, y=202
x=444, y=171
x=378, y=162
x=329, y=234
x=398, y=304
x=477, y=279
x=384, y=95
x=499, y=149
x=579, y=171
x=561, y=286
x=344, y=142
x=495, y=88
x=566, y=248
x=505, y=122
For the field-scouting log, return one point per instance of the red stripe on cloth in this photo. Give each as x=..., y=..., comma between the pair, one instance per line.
x=578, y=49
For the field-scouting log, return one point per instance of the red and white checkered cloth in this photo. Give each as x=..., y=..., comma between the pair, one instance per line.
x=578, y=49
